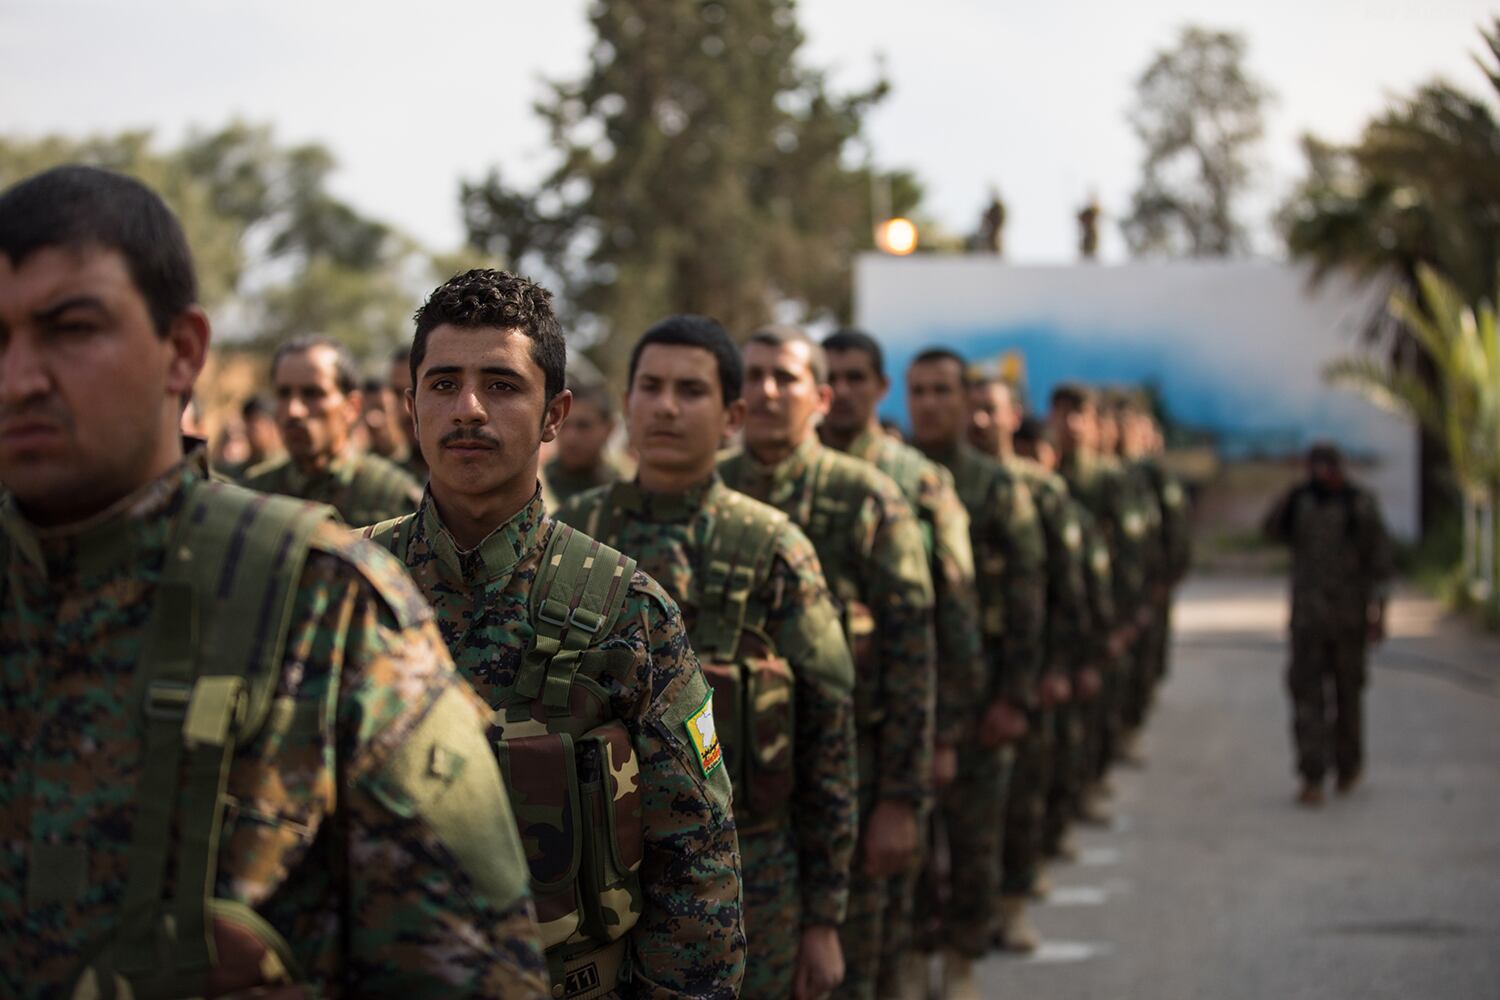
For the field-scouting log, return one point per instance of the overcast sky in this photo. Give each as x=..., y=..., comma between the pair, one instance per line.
x=414, y=96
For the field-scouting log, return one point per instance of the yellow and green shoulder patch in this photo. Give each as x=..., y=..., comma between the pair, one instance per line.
x=704, y=737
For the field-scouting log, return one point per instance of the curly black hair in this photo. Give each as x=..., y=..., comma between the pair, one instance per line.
x=488, y=298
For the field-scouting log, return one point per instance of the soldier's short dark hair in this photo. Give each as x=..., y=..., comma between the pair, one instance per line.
x=781, y=334
x=345, y=371
x=256, y=406
x=933, y=355
x=484, y=297
x=1325, y=453
x=1071, y=396
x=1030, y=431
x=849, y=339
x=596, y=394
x=78, y=206
x=688, y=330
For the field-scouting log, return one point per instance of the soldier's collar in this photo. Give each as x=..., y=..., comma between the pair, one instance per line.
x=496, y=557
x=121, y=533
x=866, y=445
x=791, y=466
x=663, y=508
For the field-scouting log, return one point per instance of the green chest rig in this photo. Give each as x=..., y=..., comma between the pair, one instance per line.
x=208, y=671
x=569, y=764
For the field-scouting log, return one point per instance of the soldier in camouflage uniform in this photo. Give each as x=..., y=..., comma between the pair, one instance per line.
x=1078, y=718
x=782, y=676
x=581, y=462
x=1145, y=444
x=219, y=774
x=870, y=546
x=1341, y=567
x=398, y=388
x=1009, y=559
x=318, y=403
x=1096, y=481
x=856, y=374
x=603, y=719
x=1049, y=743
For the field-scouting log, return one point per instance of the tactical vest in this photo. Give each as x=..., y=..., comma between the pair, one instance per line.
x=570, y=765
x=754, y=690
x=208, y=671
x=836, y=499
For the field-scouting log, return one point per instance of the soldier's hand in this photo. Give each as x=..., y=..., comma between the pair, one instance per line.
x=820, y=963
x=1002, y=723
x=944, y=764
x=1090, y=683
x=1057, y=689
x=891, y=840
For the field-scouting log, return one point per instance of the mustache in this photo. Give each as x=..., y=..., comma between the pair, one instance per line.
x=473, y=434
x=35, y=409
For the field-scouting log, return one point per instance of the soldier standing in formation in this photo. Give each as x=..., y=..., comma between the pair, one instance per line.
x=870, y=545
x=317, y=406
x=602, y=718
x=1341, y=567
x=581, y=462
x=1052, y=738
x=194, y=800
x=856, y=375
x=1009, y=558
x=766, y=630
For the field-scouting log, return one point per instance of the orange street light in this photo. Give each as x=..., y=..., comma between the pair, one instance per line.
x=896, y=236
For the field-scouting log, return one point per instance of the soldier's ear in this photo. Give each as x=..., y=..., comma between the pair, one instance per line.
x=187, y=338
x=734, y=416
x=556, y=412
x=825, y=399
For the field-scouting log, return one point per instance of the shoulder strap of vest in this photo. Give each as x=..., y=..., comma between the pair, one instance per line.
x=210, y=663
x=579, y=592
x=736, y=560
x=388, y=535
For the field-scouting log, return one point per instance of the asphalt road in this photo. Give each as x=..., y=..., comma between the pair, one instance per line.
x=1212, y=884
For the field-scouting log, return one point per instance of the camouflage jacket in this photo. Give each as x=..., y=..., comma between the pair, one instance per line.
x=315, y=837
x=1099, y=588
x=668, y=535
x=1176, y=527
x=1064, y=640
x=564, y=484
x=1145, y=502
x=1010, y=555
x=1100, y=485
x=362, y=487
x=962, y=676
x=1341, y=556
x=688, y=940
x=870, y=545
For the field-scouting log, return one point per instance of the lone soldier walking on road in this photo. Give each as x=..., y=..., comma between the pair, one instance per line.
x=318, y=403
x=1341, y=566
x=870, y=545
x=235, y=757
x=602, y=718
x=767, y=632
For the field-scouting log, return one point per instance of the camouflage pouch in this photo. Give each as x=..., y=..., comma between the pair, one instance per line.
x=753, y=687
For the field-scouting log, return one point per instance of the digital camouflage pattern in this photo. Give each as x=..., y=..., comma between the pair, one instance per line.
x=565, y=484
x=318, y=837
x=870, y=546
x=1009, y=558
x=1047, y=743
x=794, y=873
x=363, y=487
x=961, y=673
x=1141, y=666
x=1341, y=568
x=640, y=673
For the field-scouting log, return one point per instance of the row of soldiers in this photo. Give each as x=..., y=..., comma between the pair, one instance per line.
x=700, y=734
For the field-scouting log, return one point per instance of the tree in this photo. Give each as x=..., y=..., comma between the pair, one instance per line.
x=702, y=169
x=276, y=253
x=1199, y=114
x=1460, y=406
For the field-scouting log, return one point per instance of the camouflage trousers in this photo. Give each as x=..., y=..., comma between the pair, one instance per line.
x=1069, y=771
x=1026, y=806
x=958, y=894
x=1139, y=678
x=863, y=930
x=1102, y=722
x=772, y=913
x=899, y=930
x=1326, y=679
